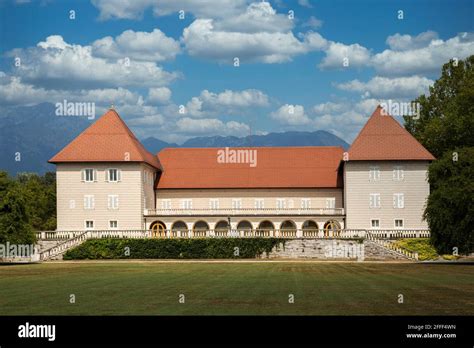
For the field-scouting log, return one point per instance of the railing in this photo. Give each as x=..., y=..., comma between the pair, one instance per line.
x=387, y=244
x=245, y=211
x=381, y=237
x=279, y=233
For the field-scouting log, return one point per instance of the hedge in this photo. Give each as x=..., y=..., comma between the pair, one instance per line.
x=219, y=248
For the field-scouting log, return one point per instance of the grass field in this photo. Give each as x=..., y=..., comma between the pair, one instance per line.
x=153, y=288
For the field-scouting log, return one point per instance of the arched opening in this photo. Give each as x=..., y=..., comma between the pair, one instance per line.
x=310, y=228
x=200, y=228
x=332, y=228
x=288, y=229
x=179, y=229
x=265, y=229
x=244, y=228
x=221, y=229
x=158, y=229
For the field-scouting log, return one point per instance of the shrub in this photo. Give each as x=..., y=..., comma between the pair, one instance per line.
x=221, y=248
x=422, y=246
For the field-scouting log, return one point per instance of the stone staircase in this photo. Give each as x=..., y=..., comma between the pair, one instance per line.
x=389, y=248
x=56, y=251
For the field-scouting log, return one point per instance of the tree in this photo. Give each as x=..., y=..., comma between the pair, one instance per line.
x=447, y=115
x=14, y=220
x=446, y=128
x=450, y=208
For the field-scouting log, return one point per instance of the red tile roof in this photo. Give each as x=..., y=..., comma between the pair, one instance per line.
x=276, y=167
x=107, y=140
x=383, y=138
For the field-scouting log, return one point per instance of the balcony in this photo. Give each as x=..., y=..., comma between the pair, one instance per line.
x=245, y=212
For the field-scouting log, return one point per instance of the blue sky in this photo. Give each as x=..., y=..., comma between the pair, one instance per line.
x=291, y=74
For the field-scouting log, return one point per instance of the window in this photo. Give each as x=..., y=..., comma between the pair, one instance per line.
x=89, y=202
x=113, y=202
x=89, y=224
x=186, y=204
x=113, y=175
x=259, y=203
x=374, y=223
x=214, y=203
x=166, y=204
x=331, y=203
x=89, y=175
x=236, y=203
x=398, y=173
x=113, y=224
x=374, y=200
x=398, y=200
x=281, y=203
x=398, y=223
x=305, y=203
x=374, y=173
x=145, y=176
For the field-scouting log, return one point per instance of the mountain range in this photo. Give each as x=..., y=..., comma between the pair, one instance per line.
x=30, y=135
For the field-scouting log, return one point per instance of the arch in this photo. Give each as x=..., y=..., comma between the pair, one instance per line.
x=158, y=229
x=288, y=229
x=244, y=225
x=179, y=229
x=310, y=228
x=200, y=228
x=265, y=229
x=221, y=229
x=288, y=225
x=222, y=225
x=332, y=228
x=266, y=225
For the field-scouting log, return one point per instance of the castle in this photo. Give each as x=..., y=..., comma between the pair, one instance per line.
x=107, y=180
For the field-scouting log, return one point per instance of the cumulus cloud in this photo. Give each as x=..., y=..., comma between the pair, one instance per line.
x=400, y=42
x=258, y=17
x=159, y=95
x=384, y=87
x=228, y=101
x=413, y=56
x=313, y=22
x=211, y=126
x=57, y=63
x=203, y=40
x=134, y=9
x=337, y=53
x=291, y=115
x=137, y=45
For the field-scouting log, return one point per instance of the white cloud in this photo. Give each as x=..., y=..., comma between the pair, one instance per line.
x=150, y=120
x=424, y=60
x=328, y=107
x=400, y=42
x=142, y=46
x=159, y=95
x=258, y=17
x=69, y=66
x=305, y=3
x=384, y=87
x=337, y=53
x=134, y=9
x=292, y=115
x=14, y=91
x=211, y=126
x=313, y=22
x=201, y=39
x=228, y=101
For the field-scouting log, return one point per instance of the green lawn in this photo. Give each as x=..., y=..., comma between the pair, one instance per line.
x=151, y=288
